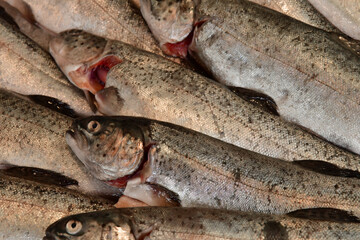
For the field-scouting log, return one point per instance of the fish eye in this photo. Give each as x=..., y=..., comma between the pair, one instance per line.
x=93, y=126
x=73, y=227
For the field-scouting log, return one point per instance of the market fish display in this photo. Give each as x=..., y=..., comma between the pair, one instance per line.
x=312, y=75
x=344, y=14
x=195, y=223
x=27, y=69
x=33, y=136
x=138, y=83
x=165, y=165
x=27, y=208
x=301, y=10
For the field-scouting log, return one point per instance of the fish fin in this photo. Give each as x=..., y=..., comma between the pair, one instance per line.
x=54, y=104
x=39, y=175
x=259, y=99
x=347, y=42
x=91, y=100
x=325, y=214
x=5, y=16
x=127, y=202
x=327, y=168
x=152, y=194
x=108, y=101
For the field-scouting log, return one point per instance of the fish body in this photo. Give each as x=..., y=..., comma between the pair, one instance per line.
x=158, y=160
x=312, y=75
x=28, y=70
x=301, y=10
x=27, y=208
x=33, y=136
x=145, y=85
x=344, y=14
x=194, y=223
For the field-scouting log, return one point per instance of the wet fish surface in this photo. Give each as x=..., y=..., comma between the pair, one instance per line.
x=312, y=75
x=33, y=136
x=163, y=164
x=129, y=82
x=301, y=10
x=194, y=223
x=344, y=14
x=27, y=208
x=27, y=69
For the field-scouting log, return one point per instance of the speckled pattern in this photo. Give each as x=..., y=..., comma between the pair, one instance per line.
x=204, y=171
x=34, y=136
x=27, y=69
x=26, y=209
x=301, y=10
x=200, y=224
x=152, y=87
x=312, y=78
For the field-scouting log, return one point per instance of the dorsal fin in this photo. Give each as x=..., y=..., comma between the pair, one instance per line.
x=39, y=175
x=327, y=168
x=325, y=214
x=53, y=104
x=259, y=99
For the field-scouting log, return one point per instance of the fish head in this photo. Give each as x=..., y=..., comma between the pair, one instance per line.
x=83, y=58
x=89, y=226
x=171, y=22
x=110, y=149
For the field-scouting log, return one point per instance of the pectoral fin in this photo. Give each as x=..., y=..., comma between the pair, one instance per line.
x=108, y=101
x=153, y=195
x=325, y=214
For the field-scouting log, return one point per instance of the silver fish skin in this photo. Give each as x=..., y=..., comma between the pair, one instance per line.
x=344, y=14
x=27, y=69
x=149, y=86
x=194, y=223
x=301, y=10
x=311, y=74
x=199, y=171
x=27, y=208
x=34, y=136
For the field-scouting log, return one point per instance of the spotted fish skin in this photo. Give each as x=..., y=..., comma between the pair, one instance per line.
x=196, y=223
x=183, y=97
x=203, y=171
x=27, y=208
x=312, y=75
x=27, y=69
x=33, y=136
x=301, y=10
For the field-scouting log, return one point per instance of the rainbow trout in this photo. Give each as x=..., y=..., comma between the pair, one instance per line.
x=33, y=136
x=27, y=69
x=131, y=82
x=312, y=75
x=200, y=224
x=27, y=208
x=161, y=164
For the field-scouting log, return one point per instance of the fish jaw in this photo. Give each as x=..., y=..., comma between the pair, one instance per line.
x=171, y=22
x=83, y=59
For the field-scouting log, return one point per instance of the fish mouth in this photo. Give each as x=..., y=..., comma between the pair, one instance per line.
x=48, y=237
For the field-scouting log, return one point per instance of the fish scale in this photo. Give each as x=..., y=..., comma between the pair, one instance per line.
x=196, y=170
